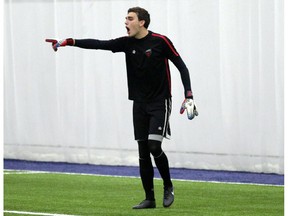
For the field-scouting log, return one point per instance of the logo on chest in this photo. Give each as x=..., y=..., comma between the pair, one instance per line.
x=148, y=52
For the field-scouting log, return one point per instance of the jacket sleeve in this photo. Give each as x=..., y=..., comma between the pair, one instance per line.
x=114, y=45
x=174, y=56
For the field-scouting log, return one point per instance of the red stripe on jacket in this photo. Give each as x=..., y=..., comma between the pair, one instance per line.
x=167, y=42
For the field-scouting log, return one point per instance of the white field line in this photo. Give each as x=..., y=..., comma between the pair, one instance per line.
x=35, y=213
x=118, y=176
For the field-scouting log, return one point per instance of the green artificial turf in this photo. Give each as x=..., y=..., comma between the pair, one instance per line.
x=100, y=195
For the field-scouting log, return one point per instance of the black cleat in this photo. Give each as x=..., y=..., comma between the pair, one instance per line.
x=168, y=198
x=145, y=204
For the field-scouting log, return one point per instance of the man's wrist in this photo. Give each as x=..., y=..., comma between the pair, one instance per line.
x=188, y=94
x=70, y=42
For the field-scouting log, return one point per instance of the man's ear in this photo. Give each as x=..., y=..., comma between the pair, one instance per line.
x=142, y=22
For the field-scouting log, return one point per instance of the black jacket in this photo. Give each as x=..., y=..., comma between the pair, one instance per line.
x=147, y=65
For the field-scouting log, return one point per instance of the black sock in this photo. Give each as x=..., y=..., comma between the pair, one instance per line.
x=147, y=175
x=161, y=161
x=163, y=166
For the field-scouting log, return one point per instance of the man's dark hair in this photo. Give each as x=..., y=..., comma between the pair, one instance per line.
x=142, y=15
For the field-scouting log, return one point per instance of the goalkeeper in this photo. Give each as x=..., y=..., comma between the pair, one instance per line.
x=149, y=86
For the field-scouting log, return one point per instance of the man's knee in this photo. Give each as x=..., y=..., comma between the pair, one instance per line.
x=155, y=148
x=143, y=148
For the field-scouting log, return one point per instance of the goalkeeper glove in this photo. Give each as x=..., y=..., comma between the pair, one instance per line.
x=58, y=43
x=190, y=107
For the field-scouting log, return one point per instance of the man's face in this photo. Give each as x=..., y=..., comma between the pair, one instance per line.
x=133, y=25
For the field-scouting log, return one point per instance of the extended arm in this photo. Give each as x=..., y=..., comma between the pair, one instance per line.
x=114, y=45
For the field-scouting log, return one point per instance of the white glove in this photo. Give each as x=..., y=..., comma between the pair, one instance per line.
x=190, y=107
